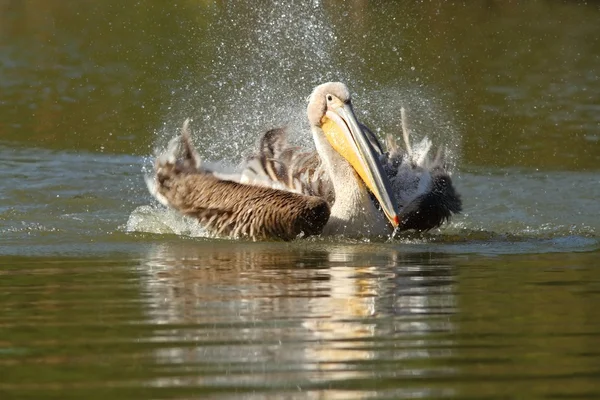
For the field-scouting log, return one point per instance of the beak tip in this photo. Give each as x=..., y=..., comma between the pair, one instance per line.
x=396, y=221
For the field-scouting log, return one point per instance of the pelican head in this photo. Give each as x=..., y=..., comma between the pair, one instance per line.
x=330, y=112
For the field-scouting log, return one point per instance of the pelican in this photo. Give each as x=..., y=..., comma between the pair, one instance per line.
x=233, y=206
x=342, y=188
x=421, y=186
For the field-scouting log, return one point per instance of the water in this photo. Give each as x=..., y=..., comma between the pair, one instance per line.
x=189, y=320
x=103, y=293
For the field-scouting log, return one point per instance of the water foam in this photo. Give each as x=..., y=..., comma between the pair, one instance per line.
x=162, y=220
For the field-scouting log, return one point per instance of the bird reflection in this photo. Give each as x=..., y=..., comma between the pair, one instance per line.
x=295, y=314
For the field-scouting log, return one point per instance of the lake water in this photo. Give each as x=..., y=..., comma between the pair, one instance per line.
x=105, y=294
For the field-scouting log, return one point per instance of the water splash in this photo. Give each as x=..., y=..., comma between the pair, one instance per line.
x=267, y=58
x=426, y=116
x=161, y=220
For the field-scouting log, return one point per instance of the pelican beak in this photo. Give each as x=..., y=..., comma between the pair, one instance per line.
x=347, y=138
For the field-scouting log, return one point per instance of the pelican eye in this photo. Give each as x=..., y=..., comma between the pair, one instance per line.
x=329, y=97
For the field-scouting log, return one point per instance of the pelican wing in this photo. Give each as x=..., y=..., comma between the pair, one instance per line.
x=228, y=208
x=277, y=164
x=421, y=184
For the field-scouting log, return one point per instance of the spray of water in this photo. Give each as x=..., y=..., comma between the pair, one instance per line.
x=267, y=58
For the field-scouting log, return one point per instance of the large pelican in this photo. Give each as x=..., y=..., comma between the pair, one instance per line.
x=343, y=188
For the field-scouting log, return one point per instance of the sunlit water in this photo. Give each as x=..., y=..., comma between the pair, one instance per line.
x=82, y=203
x=105, y=294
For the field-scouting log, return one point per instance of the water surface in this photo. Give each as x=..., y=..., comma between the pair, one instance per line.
x=187, y=320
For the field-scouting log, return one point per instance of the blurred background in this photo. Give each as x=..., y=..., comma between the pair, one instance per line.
x=503, y=83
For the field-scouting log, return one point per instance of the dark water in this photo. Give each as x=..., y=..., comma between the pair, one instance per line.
x=103, y=293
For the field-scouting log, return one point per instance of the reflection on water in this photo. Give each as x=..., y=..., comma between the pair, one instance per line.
x=303, y=317
x=191, y=319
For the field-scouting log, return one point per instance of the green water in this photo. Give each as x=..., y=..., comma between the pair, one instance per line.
x=105, y=294
x=186, y=320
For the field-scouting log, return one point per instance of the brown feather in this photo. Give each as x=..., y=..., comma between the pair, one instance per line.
x=229, y=208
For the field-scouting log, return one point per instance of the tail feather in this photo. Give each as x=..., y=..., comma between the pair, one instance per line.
x=180, y=156
x=189, y=151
